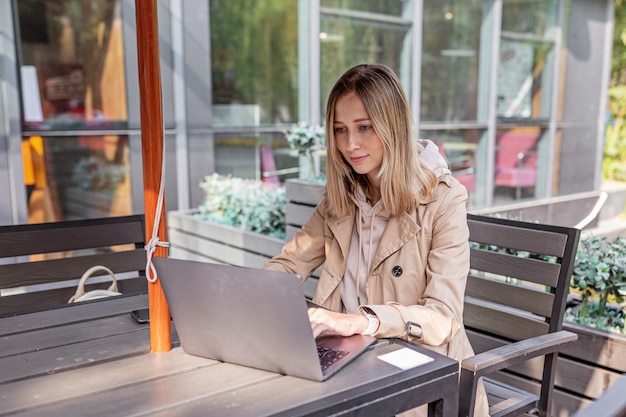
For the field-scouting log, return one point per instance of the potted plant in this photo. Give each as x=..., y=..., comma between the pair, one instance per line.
x=308, y=140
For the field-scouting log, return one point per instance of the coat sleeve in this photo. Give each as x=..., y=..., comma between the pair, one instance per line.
x=306, y=250
x=439, y=312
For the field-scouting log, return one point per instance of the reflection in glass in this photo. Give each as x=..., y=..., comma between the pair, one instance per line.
x=349, y=41
x=531, y=17
x=264, y=156
x=459, y=147
x=450, y=55
x=526, y=59
x=393, y=8
x=72, y=64
x=254, y=57
x=515, y=171
x=77, y=177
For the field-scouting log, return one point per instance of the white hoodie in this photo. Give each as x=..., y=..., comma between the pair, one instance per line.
x=369, y=226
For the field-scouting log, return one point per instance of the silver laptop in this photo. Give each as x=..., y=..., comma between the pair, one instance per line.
x=250, y=317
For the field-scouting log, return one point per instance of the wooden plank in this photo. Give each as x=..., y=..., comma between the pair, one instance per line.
x=218, y=251
x=61, y=358
x=71, y=314
x=527, y=269
x=54, y=237
x=27, y=395
x=531, y=299
x=290, y=232
x=186, y=224
x=58, y=298
x=69, y=334
x=54, y=270
x=512, y=324
x=297, y=214
x=305, y=192
x=612, y=403
x=156, y=392
x=597, y=347
x=524, y=238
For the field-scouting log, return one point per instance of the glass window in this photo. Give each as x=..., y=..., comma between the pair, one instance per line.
x=526, y=59
x=264, y=156
x=77, y=177
x=255, y=58
x=349, y=40
x=460, y=148
x=393, y=8
x=516, y=164
x=450, y=58
x=72, y=61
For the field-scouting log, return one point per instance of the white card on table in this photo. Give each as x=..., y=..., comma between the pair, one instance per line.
x=405, y=358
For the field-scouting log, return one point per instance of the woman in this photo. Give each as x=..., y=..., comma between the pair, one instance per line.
x=391, y=229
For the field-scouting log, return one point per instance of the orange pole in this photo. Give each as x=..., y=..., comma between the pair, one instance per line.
x=150, y=99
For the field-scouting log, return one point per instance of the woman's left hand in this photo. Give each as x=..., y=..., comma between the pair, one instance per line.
x=327, y=322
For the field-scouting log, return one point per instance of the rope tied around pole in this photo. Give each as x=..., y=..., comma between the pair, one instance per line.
x=151, y=246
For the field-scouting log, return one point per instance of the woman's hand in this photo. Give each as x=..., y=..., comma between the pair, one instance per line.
x=327, y=322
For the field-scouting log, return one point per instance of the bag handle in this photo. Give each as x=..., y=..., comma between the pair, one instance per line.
x=80, y=290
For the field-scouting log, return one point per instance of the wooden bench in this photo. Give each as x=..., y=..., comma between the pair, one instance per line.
x=41, y=263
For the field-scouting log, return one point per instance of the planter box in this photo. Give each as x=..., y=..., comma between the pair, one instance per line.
x=196, y=239
x=584, y=370
x=566, y=210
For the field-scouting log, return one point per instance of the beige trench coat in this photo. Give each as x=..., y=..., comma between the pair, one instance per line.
x=418, y=274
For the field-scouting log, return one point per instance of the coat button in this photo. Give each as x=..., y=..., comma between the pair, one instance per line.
x=396, y=271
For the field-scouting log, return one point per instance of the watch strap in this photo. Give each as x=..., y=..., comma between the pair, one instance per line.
x=374, y=321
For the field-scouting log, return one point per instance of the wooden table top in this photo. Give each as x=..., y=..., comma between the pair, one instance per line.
x=94, y=359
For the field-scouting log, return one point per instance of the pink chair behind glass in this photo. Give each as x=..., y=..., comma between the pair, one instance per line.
x=268, y=166
x=516, y=161
x=462, y=168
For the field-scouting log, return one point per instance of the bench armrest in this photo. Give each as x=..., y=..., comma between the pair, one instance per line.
x=505, y=356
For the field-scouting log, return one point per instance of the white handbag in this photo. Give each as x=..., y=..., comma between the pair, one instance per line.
x=81, y=295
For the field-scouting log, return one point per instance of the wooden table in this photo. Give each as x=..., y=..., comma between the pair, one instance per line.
x=94, y=359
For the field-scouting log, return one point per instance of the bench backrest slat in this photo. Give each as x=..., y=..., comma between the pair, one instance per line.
x=51, y=270
x=30, y=239
x=533, y=299
x=517, y=235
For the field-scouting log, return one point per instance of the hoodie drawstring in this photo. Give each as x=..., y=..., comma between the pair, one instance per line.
x=369, y=250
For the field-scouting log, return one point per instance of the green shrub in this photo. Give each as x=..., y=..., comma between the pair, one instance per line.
x=250, y=204
x=600, y=279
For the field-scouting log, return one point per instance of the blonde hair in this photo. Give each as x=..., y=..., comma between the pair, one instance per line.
x=404, y=180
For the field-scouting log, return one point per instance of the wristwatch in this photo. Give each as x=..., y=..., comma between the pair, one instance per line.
x=374, y=321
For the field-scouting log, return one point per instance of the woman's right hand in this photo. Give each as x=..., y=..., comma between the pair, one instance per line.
x=327, y=322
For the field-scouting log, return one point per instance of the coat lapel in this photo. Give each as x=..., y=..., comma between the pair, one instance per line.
x=399, y=230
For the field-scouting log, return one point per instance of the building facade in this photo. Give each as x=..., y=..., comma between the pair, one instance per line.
x=513, y=92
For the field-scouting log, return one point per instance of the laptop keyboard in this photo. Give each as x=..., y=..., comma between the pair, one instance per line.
x=328, y=356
